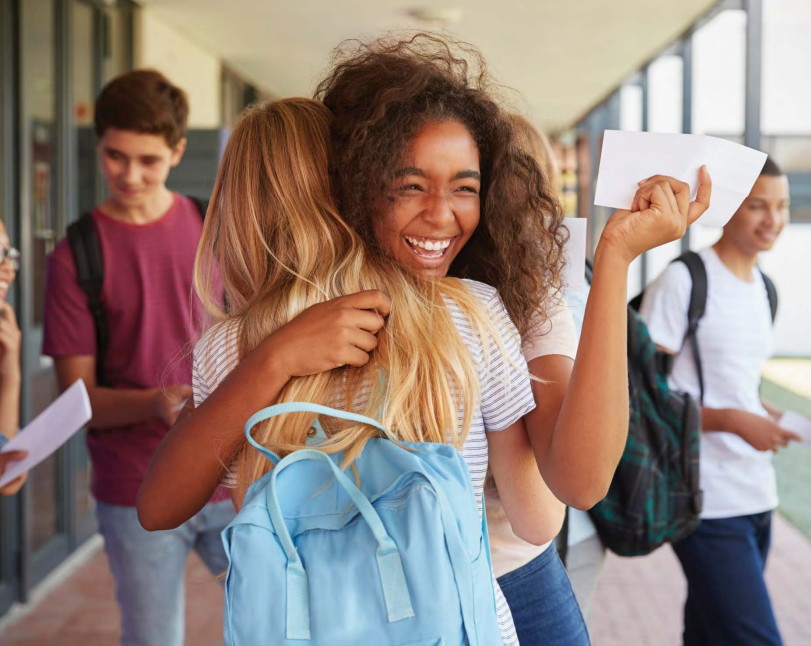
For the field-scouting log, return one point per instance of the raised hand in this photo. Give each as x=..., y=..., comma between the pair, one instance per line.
x=661, y=213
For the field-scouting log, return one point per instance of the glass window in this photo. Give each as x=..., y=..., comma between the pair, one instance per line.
x=84, y=90
x=719, y=68
x=786, y=135
x=118, y=55
x=88, y=182
x=43, y=224
x=665, y=94
x=631, y=108
x=665, y=104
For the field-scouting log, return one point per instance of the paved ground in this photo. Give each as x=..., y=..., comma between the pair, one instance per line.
x=639, y=601
x=82, y=610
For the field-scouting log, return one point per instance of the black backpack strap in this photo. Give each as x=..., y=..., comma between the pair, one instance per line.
x=84, y=243
x=636, y=302
x=697, y=308
x=562, y=539
x=771, y=292
x=201, y=204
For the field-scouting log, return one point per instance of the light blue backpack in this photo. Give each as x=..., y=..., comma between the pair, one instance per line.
x=401, y=561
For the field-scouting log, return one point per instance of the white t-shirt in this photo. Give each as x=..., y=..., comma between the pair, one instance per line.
x=508, y=551
x=506, y=395
x=735, y=339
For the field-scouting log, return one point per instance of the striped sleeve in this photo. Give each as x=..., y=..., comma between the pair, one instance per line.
x=506, y=387
x=215, y=355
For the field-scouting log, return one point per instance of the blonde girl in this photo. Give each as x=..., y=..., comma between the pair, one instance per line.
x=313, y=316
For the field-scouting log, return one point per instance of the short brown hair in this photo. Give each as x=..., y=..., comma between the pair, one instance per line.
x=143, y=101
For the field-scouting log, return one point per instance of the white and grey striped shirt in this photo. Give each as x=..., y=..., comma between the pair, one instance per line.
x=506, y=393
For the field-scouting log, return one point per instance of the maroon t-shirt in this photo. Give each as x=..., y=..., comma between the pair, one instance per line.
x=147, y=295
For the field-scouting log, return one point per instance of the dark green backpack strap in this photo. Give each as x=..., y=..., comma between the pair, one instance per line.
x=84, y=243
x=696, y=309
x=771, y=292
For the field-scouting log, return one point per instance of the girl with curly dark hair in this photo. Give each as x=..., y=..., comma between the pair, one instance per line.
x=427, y=169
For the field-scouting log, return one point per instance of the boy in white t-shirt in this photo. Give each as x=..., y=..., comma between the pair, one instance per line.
x=727, y=600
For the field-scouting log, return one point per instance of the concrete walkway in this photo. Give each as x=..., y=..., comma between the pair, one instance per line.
x=82, y=610
x=638, y=602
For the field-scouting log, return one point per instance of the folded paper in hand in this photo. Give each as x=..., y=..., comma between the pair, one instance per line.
x=49, y=430
x=630, y=157
x=798, y=424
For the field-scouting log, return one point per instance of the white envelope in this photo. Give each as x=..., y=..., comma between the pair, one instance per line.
x=630, y=157
x=798, y=424
x=50, y=429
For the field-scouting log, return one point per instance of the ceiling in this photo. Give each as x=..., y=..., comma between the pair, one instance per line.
x=561, y=57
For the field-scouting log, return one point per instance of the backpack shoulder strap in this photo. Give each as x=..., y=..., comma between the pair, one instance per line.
x=84, y=244
x=771, y=291
x=201, y=204
x=697, y=307
x=698, y=295
x=562, y=539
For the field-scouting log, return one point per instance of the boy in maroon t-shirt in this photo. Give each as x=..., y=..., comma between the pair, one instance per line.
x=148, y=238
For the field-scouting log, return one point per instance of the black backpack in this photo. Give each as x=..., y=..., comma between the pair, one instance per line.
x=654, y=497
x=84, y=243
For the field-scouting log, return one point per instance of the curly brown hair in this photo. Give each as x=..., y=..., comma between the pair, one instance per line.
x=381, y=95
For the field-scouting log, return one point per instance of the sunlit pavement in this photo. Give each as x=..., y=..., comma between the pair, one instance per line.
x=639, y=600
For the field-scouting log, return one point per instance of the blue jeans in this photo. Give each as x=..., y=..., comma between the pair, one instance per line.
x=727, y=600
x=149, y=568
x=543, y=604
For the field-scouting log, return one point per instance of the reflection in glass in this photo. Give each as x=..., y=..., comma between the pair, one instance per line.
x=719, y=68
x=83, y=100
x=38, y=114
x=665, y=94
x=38, y=101
x=631, y=108
x=44, y=492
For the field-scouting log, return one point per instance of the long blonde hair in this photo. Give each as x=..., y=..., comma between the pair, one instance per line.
x=278, y=244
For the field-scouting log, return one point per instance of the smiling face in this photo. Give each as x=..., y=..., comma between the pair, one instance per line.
x=434, y=205
x=135, y=165
x=759, y=221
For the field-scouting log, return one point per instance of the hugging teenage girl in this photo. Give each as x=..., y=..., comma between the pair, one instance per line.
x=430, y=171
x=304, y=323
x=428, y=177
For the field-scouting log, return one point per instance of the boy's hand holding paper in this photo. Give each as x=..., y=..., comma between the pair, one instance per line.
x=630, y=157
x=796, y=423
